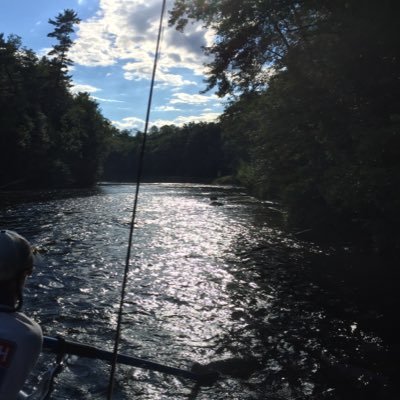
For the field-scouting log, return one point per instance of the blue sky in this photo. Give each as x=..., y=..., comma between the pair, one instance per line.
x=113, y=56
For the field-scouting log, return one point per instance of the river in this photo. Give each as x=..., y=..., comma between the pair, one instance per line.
x=213, y=280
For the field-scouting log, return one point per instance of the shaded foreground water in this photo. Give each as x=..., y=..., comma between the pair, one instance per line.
x=213, y=280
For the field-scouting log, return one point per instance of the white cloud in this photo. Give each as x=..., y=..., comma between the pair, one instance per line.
x=166, y=108
x=44, y=51
x=77, y=87
x=126, y=30
x=130, y=123
x=138, y=123
x=141, y=70
x=186, y=98
x=179, y=121
x=107, y=100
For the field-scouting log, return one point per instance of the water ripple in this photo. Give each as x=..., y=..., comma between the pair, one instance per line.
x=206, y=284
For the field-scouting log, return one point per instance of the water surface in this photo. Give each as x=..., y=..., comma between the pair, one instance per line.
x=211, y=281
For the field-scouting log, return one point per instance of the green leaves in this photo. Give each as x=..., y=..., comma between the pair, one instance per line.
x=192, y=151
x=48, y=137
x=320, y=133
x=251, y=37
x=63, y=23
x=64, y=27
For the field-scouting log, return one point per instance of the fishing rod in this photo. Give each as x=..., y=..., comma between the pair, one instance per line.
x=133, y=218
x=61, y=347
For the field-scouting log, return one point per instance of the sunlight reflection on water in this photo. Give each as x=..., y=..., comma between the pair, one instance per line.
x=178, y=303
x=198, y=289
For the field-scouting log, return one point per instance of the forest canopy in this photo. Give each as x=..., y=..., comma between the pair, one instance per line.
x=193, y=152
x=315, y=89
x=49, y=137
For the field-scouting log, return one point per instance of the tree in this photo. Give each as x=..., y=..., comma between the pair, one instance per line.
x=85, y=134
x=321, y=133
x=64, y=27
x=254, y=38
x=192, y=151
x=14, y=120
x=49, y=137
x=120, y=163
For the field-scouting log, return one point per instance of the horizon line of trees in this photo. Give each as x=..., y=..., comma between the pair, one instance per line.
x=194, y=151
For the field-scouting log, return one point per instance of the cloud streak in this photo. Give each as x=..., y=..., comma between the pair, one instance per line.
x=130, y=123
x=77, y=87
x=166, y=108
x=107, y=100
x=182, y=120
x=186, y=98
x=138, y=123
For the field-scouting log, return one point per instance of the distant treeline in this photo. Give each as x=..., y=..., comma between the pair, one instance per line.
x=192, y=152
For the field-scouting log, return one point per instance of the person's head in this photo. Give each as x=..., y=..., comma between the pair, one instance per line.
x=16, y=263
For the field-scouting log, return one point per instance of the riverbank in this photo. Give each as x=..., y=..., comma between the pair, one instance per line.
x=12, y=197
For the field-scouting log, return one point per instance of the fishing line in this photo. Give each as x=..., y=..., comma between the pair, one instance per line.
x=132, y=223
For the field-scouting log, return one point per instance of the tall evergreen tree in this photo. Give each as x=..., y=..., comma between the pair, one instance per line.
x=64, y=27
